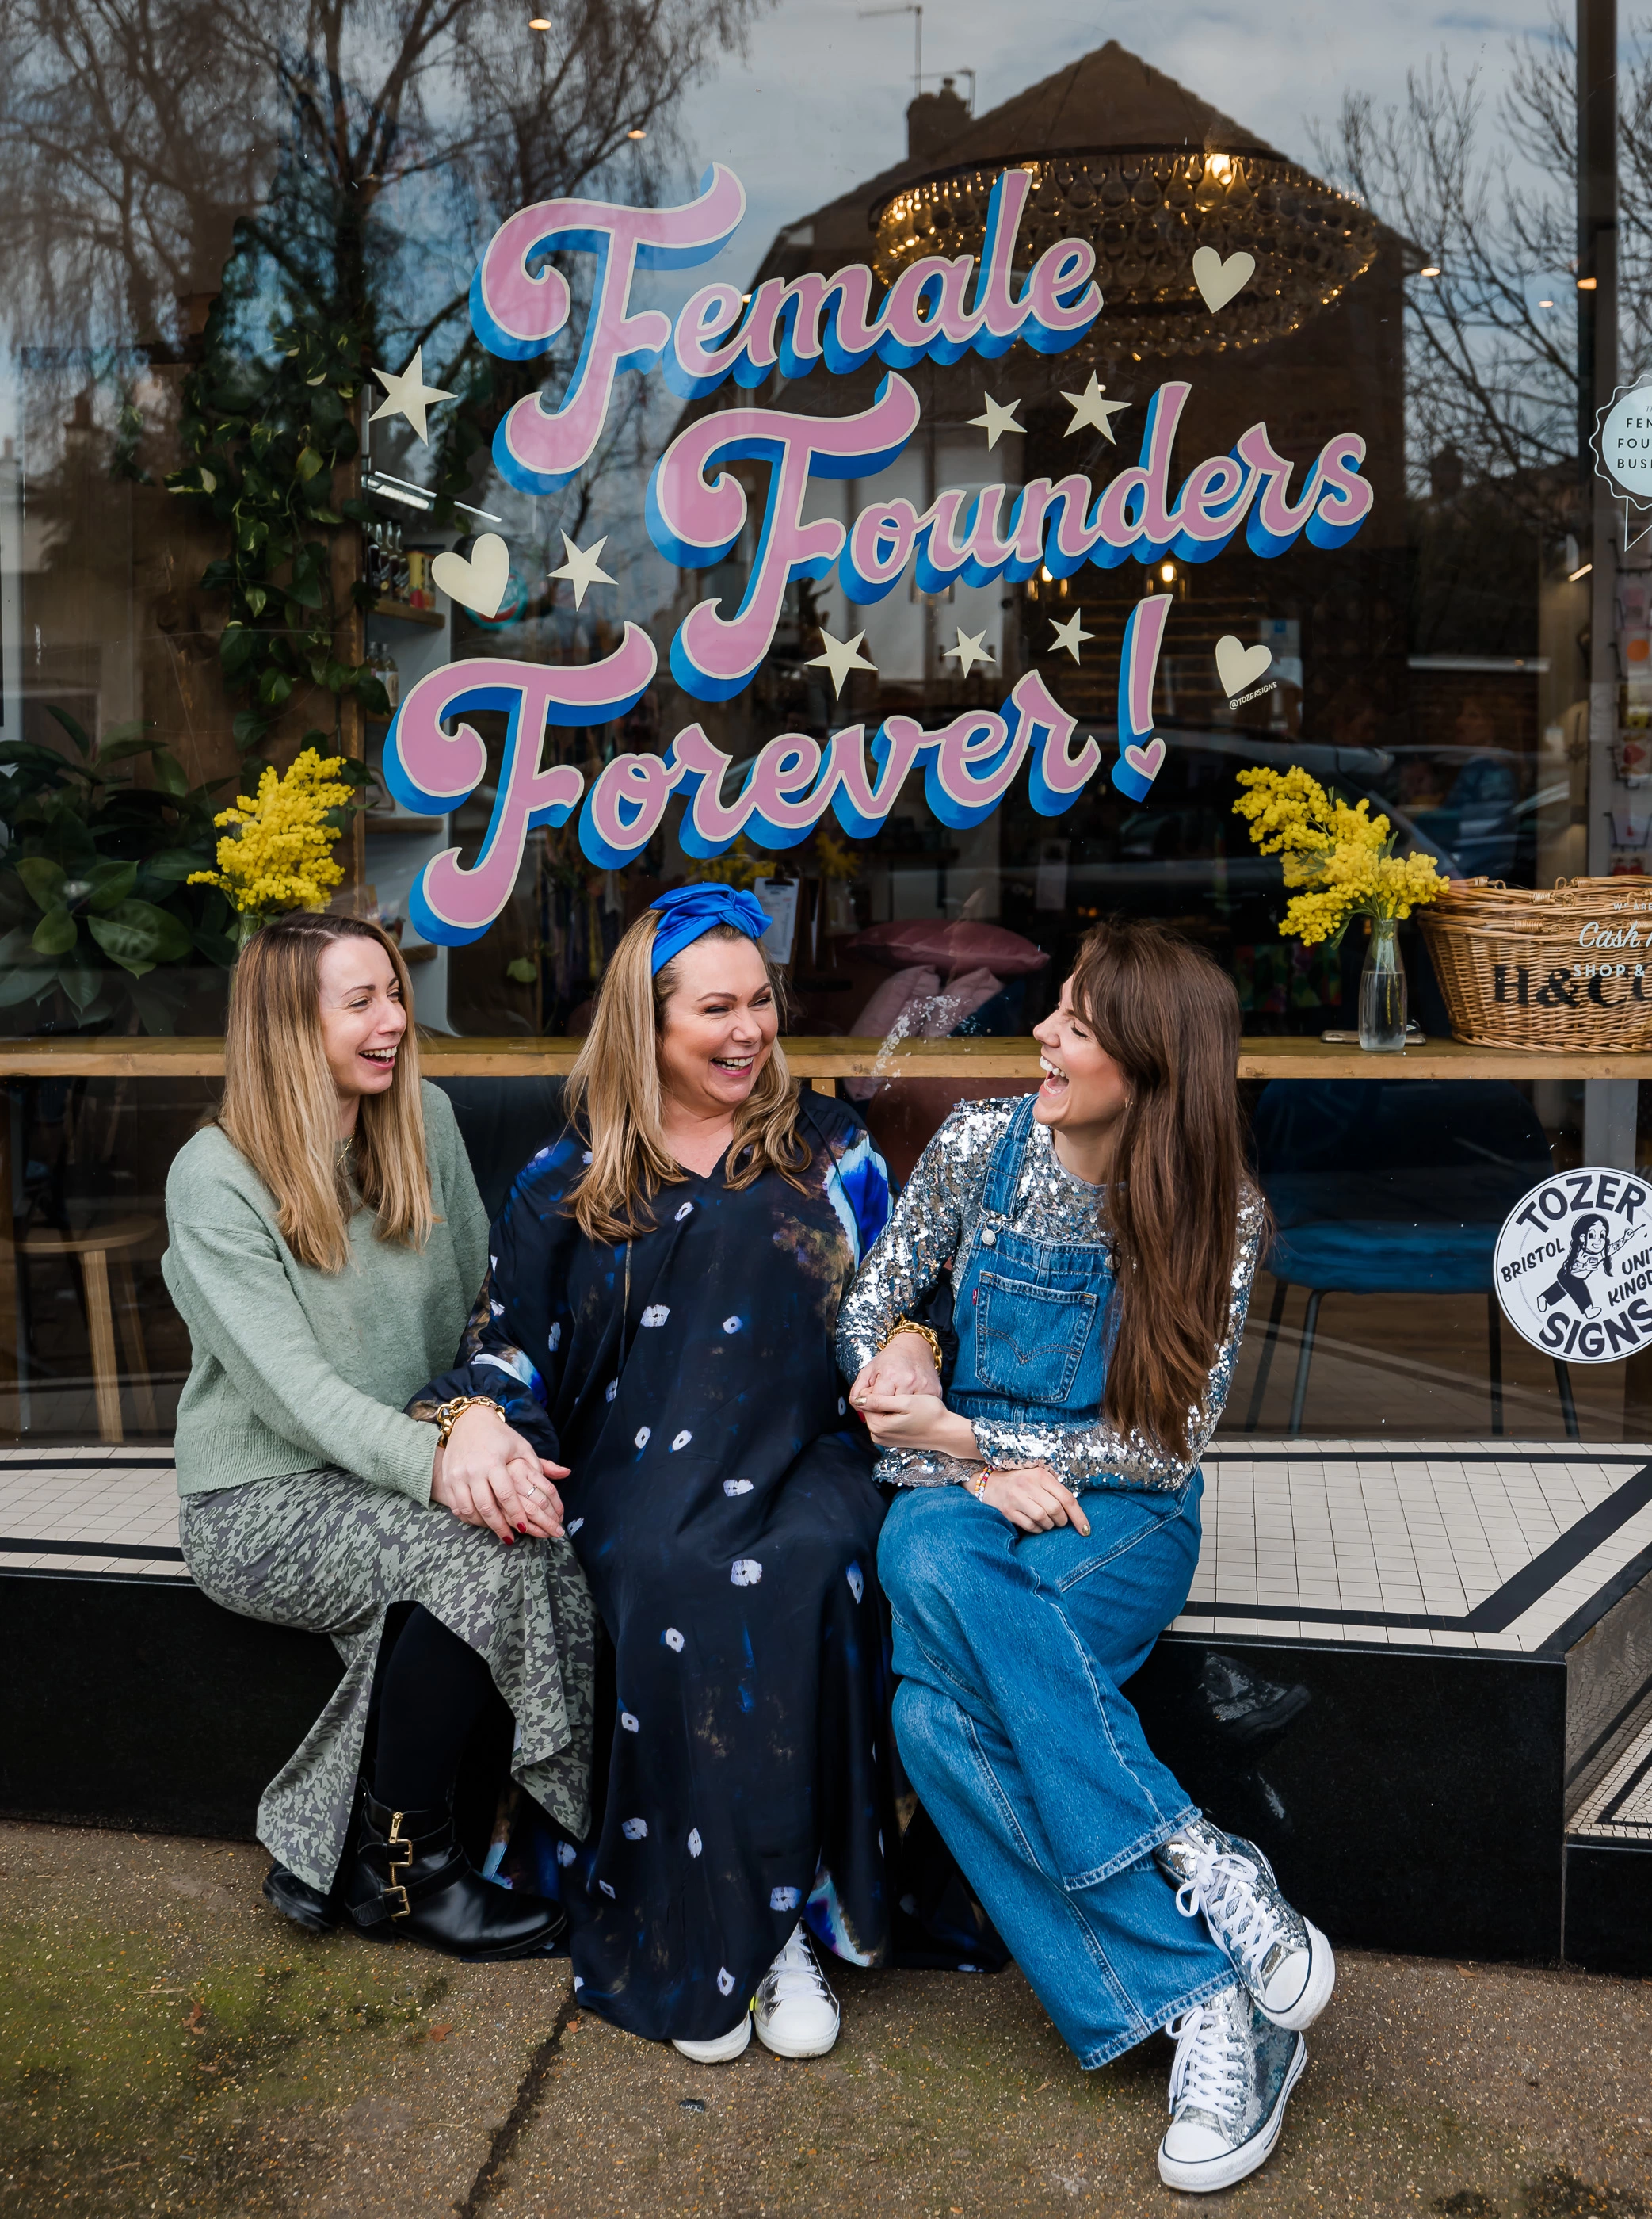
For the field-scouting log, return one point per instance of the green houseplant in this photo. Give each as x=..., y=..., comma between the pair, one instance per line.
x=96, y=910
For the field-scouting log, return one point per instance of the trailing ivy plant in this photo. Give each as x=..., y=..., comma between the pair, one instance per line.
x=94, y=901
x=265, y=437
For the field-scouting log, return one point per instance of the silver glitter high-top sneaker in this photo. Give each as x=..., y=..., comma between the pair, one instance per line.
x=1234, y=2071
x=1282, y=1957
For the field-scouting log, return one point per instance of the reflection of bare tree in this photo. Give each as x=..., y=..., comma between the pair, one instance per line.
x=124, y=160
x=131, y=134
x=1485, y=188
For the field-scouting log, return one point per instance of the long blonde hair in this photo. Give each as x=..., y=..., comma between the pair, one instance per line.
x=614, y=1084
x=281, y=1109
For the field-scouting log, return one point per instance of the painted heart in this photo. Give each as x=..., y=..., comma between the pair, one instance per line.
x=1147, y=762
x=480, y=580
x=1218, y=280
x=1239, y=666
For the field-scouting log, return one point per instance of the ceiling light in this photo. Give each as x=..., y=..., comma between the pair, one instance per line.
x=1145, y=211
x=1587, y=284
x=1545, y=304
x=1167, y=572
x=539, y=22
x=636, y=132
x=1582, y=571
x=1429, y=270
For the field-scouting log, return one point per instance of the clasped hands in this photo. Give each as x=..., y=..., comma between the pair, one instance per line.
x=488, y=1474
x=898, y=1394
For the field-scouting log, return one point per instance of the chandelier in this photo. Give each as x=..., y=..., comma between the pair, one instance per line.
x=1147, y=212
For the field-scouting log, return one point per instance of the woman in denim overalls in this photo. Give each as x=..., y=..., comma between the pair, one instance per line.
x=1048, y=1530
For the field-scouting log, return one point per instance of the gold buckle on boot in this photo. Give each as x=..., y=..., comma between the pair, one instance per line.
x=396, y=1840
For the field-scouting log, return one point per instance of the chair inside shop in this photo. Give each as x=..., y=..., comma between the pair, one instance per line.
x=503, y=1124
x=1393, y=1187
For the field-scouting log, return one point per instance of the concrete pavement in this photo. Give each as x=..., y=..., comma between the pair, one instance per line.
x=169, y=2046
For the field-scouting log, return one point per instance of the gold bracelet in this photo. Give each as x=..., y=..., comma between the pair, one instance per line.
x=448, y=1414
x=925, y=1333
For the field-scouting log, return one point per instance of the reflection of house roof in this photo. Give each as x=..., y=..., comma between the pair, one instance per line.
x=1108, y=98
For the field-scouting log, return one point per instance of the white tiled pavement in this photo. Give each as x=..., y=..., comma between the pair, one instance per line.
x=112, y=1512
x=1618, y=1808
x=1368, y=1540
x=1365, y=1538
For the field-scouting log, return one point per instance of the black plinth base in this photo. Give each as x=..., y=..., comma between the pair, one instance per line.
x=1609, y=1907
x=139, y=1704
x=1407, y=1799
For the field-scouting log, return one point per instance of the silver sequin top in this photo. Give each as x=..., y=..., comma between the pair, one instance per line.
x=938, y=1210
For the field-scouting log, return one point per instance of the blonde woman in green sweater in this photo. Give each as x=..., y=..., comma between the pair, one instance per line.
x=326, y=1242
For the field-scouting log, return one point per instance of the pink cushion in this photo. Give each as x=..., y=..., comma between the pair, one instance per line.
x=915, y=984
x=950, y=947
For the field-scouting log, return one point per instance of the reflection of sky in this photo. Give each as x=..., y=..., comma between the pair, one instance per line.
x=819, y=101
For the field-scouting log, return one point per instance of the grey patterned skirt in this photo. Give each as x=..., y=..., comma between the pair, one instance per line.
x=329, y=1553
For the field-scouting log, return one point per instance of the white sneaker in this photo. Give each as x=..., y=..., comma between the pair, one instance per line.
x=1282, y=1957
x=724, y=2050
x=795, y=2012
x=1234, y=2071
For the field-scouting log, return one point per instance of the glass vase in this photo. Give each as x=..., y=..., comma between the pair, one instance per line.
x=1382, y=989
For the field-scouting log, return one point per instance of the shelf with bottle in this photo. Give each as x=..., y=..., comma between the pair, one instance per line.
x=403, y=613
x=400, y=576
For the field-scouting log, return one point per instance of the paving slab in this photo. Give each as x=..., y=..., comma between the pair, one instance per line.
x=169, y=2046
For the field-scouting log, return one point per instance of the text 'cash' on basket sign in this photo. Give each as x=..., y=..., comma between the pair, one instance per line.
x=1569, y=968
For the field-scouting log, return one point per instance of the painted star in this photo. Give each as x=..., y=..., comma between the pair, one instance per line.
x=1090, y=412
x=841, y=656
x=582, y=568
x=998, y=419
x=972, y=648
x=1069, y=635
x=408, y=394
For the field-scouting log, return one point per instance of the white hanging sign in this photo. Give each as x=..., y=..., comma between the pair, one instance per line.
x=1573, y=1265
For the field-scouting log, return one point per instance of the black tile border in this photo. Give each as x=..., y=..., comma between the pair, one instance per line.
x=1609, y=1816
x=1586, y=1453
x=1515, y=1597
x=29, y=1546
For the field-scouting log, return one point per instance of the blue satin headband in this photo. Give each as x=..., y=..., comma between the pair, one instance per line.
x=686, y=913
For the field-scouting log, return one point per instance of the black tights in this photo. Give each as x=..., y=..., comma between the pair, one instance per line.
x=432, y=1689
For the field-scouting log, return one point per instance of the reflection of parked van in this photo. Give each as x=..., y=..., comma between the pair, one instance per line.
x=1473, y=806
x=1473, y=810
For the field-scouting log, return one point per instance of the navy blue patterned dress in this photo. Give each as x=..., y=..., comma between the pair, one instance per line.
x=722, y=1505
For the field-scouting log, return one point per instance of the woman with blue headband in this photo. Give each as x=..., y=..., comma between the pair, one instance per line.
x=659, y=1315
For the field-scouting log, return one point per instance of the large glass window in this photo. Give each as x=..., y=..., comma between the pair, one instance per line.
x=910, y=464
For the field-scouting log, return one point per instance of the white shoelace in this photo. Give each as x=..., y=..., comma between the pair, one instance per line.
x=1225, y=1889
x=1208, y=2071
x=795, y=1972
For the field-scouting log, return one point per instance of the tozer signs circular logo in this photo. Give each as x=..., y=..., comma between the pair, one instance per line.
x=1573, y=1265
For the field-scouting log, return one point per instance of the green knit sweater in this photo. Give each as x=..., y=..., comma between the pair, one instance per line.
x=296, y=1368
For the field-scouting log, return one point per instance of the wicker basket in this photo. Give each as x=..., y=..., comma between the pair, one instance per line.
x=1569, y=968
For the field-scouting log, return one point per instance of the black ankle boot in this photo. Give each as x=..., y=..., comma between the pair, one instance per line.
x=305, y=1905
x=412, y=1878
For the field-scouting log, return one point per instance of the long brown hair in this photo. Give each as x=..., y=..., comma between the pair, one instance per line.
x=1169, y=1019
x=281, y=1107
x=615, y=1083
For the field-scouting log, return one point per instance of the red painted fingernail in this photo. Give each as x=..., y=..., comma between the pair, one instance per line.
x=521, y=1529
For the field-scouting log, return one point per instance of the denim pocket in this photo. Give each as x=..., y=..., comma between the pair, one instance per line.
x=1037, y=1344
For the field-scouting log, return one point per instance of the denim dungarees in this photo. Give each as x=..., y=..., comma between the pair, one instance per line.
x=1012, y=1649
x=1031, y=1316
